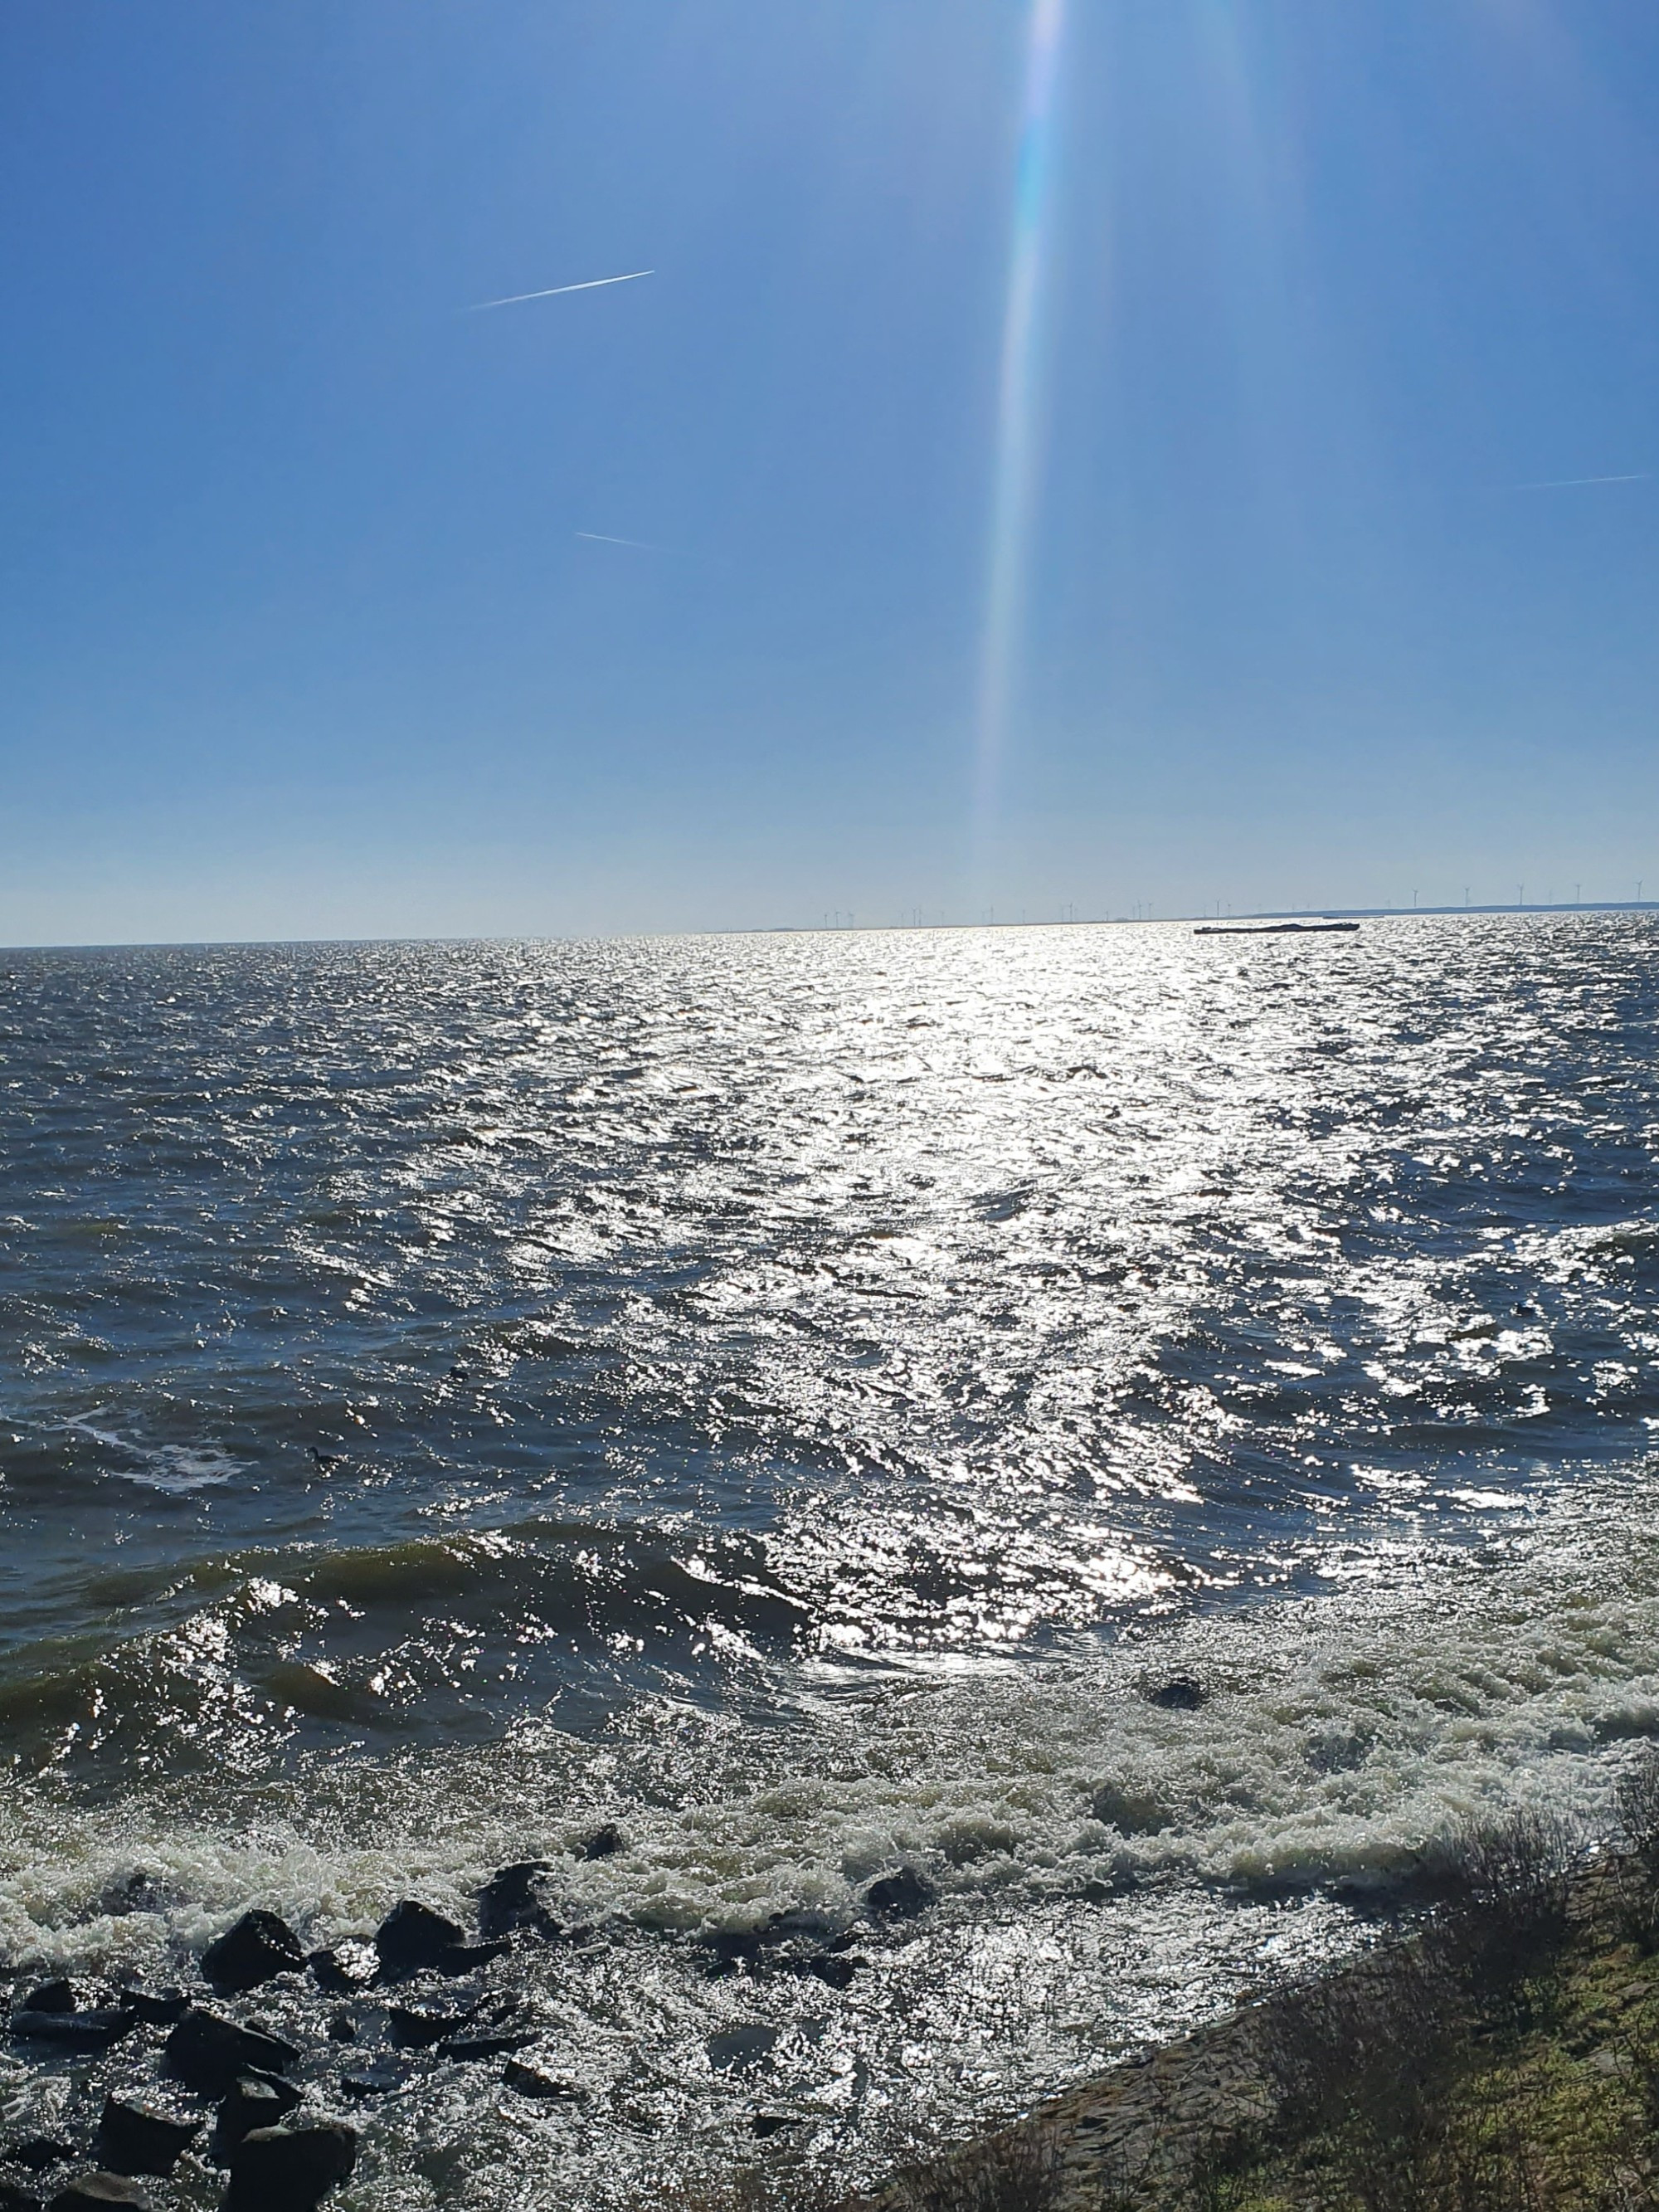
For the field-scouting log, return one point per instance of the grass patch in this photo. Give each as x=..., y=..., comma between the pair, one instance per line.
x=1506, y=2059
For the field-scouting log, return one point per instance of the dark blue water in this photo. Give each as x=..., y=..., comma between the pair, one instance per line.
x=787, y=1392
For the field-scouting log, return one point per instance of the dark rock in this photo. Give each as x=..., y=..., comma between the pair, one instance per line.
x=1180, y=1694
x=253, y=2101
x=347, y=1967
x=765, y=2124
x=290, y=2169
x=604, y=1843
x=899, y=1896
x=138, y=1892
x=816, y=1928
x=37, y=2152
x=77, y=2031
x=509, y=1899
x=732, y=1947
x=97, y=2192
x=17, y=2200
x=156, y=2008
x=464, y=2050
x=50, y=1996
x=471, y=1958
x=413, y=1937
x=253, y=1951
x=342, y=2028
x=837, y=1968
x=737, y=2049
x=376, y=2077
x=532, y=2080
x=135, y=2138
x=207, y=2052
x=417, y=2026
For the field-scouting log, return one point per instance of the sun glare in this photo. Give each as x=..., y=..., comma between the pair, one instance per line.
x=1018, y=415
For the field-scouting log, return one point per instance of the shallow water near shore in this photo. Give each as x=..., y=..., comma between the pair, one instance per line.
x=800, y=1399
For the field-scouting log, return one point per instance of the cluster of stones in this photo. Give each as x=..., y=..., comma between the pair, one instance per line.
x=283, y=2155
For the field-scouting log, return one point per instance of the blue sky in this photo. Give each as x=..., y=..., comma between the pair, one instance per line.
x=300, y=635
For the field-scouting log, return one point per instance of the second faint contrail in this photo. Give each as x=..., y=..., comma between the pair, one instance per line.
x=553, y=291
x=1571, y=484
x=598, y=537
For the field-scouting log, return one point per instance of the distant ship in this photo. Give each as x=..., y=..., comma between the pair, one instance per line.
x=1272, y=928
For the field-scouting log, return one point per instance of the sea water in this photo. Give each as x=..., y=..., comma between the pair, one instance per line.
x=804, y=1399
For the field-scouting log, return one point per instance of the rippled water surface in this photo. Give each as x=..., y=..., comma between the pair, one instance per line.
x=795, y=1396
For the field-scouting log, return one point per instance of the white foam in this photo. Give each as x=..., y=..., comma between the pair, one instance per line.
x=175, y=1468
x=1341, y=1736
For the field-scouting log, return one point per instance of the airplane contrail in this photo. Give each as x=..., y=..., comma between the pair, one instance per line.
x=593, y=284
x=1571, y=484
x=598, y=537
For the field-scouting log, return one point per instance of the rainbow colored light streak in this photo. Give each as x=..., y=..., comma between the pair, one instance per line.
x=1019, y=413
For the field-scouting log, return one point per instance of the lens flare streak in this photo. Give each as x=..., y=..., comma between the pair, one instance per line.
x=1019, y=413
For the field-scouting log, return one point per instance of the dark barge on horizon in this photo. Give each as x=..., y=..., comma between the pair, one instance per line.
x=1273, y=928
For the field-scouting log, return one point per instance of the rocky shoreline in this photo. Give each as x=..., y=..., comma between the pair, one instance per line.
x=248, y=2084
x=252, y=2084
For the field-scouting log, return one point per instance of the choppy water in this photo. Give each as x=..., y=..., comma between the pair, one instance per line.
x=793, y=1396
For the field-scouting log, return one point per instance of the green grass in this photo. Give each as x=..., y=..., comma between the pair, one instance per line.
x=1506, y=2059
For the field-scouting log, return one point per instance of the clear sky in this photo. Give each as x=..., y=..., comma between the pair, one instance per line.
x=1164, y=528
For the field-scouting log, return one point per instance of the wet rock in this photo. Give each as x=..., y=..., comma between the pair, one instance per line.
x=346, y=1967
x=471, y=1958
x=253, y=2101
x=97, y=2192
x=207, y=2052
x=1180, y=1694
x=510, y=1898
x=836, y=1968
x=783, y=1940
x=380, y=2076
x=416, y=2027
x=531, y=2080
x=290, y=2169
x=737, y=2049
x=75, y=2031
x=737, y=1950
x=604, y=1843
x=413, y=1938
x=156, y=2008
x=37, y=2152
x=134, y=2138
x=50, y=1996
x=466, y=2050
x=13, y=2199
x=138, y=1892
x=253, y=1951
x=899, y=1896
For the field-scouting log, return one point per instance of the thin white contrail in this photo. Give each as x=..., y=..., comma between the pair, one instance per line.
x=598, y=537
x=1571, y=484
x=593, y=284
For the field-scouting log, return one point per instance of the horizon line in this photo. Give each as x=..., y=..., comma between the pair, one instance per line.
x=839, y=929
